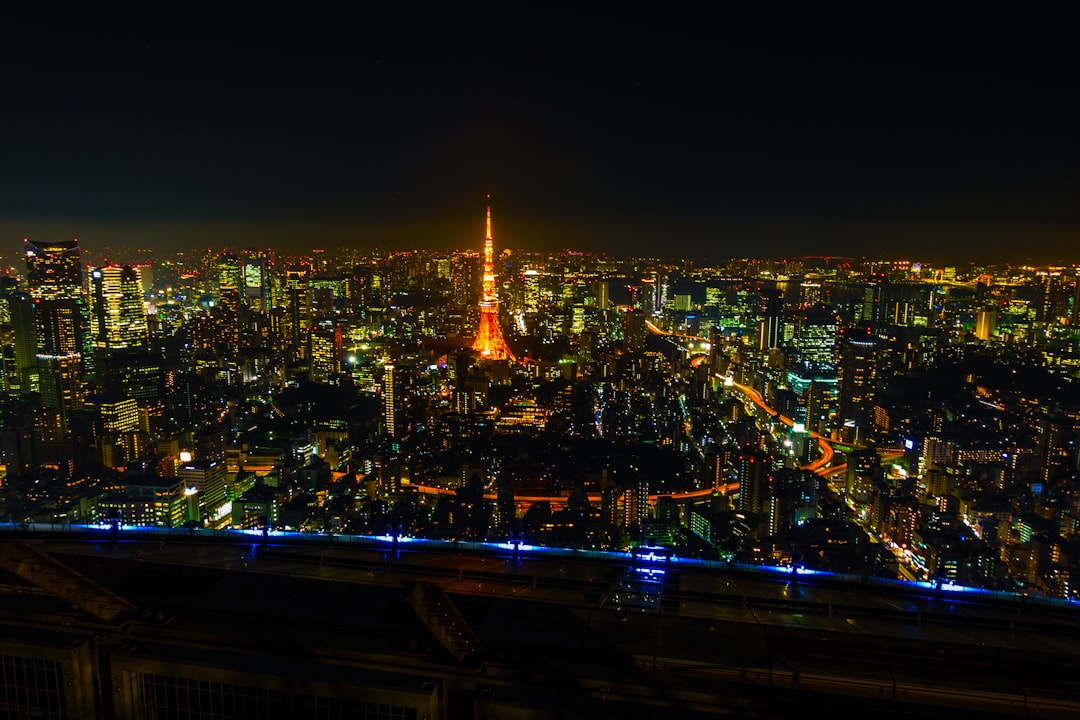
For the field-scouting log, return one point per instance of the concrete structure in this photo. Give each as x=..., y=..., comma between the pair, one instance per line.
x=130, y=625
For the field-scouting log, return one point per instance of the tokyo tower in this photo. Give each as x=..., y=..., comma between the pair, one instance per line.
x=489, y=338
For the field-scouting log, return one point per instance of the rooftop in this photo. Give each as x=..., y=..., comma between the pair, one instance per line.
x=558, y=633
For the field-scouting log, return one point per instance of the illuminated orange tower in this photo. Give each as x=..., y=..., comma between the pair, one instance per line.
x=489, y=338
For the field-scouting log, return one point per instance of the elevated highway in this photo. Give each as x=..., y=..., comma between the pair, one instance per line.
x=823, y=461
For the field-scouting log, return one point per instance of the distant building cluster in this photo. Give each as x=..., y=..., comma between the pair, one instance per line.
x=871, y=417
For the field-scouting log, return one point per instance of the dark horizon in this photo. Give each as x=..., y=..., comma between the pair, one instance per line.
x=935, y=244
x=776, y=133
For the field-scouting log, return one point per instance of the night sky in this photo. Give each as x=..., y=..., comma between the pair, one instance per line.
x=947, y=138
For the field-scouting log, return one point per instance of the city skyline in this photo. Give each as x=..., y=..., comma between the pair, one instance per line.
x=758, y=382
x=687, y=455
x=768, y=134
x=1034, y=246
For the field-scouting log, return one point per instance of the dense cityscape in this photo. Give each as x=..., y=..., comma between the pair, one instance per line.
x=751, y=389
x=886, y=418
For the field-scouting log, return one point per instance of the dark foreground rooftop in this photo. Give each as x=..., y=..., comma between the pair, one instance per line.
x=105, y=627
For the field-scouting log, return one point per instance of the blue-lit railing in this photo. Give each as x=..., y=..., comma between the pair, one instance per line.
x=641, y=556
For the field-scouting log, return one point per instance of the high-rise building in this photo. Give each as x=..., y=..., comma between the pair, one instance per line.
x=208, y=443
x=118, y=414
x=60, y=379
x=754, y=472
x=229, y=272
x=298, y=309
x=117, y=314
x=227, y=312
x=636, y=502
x=602, y=294
x=125, y=367
x=54, y=279
x=532, y=292
x=60, y=326
x=661, y=292
x=858, y=375
x=209, y=479
x=256, y=280
x=815, y=335
x=360, y=285
x=770, y=324
x=985, y=323
x=53, y=270
x=489, y=338
x=1050, y=304
x=133, y=373
x=326, y=351
x=793, y=499
x=9, y=291
x=815, y=387
x=20, y=349
x=393, y=401
x=871, y=309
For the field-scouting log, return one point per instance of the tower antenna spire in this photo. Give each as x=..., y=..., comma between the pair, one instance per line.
x=489, y=338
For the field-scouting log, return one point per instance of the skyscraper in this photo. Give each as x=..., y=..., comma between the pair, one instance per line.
x=125, y=364
x=532, y=292
x=229, y=273
x=255, y=280
x=816, y=331
x=770, y=324
x=489, y=338
x=985, y=323
x=118, y=318
x=20, y=351
x=1050, y=305
x=793, y=499
x=754, y=473
x=298, y=308
x=858, y=375
x=54, y=278
x=53, y=270
x=227, y=313
x=60, y=381
x=326, y=351
x=393, y=401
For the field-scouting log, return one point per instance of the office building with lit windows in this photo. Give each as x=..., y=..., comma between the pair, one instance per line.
x=393, y=397
x=255, y=280
x=297, y=321
x=117, y=314
x=118, y=414
x=816, y=390
x=59, y=314
x=857, y=383
x=21, y=346
x=53, y=269
x=985, y=323
x=61, y=383
x=326, y=352
x=815, y=335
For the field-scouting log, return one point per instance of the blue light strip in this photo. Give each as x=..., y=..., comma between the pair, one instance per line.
x=643, y=554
